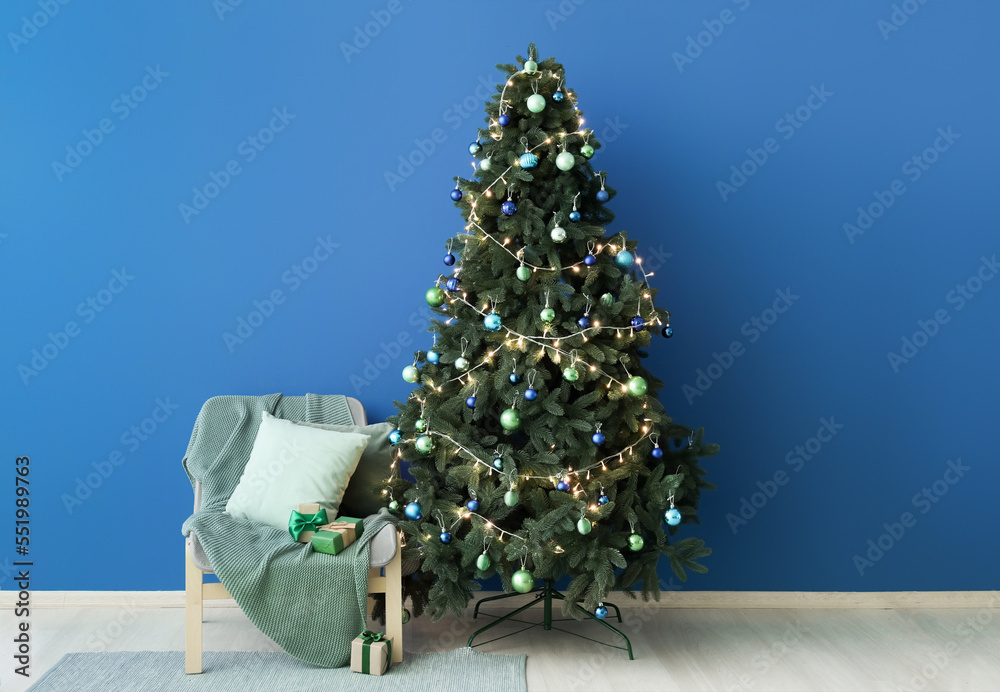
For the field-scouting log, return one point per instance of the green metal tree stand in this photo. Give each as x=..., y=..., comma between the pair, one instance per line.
x=545, y=595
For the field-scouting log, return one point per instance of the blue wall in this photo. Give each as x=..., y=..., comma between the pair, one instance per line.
x=839, y=97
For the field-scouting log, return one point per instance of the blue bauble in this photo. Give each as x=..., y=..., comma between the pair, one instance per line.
x=433, y=357
x=414, y=511
x=558, y=96
x=530, y=394
x=471, y=402
x=583, y=322
x=574, y=216
x=562, y=486
x=395, y=436
x=473, y=505
x=667, y=332
x=475, y=148
x=638, y=322
x=603, y=500
x=456, y=194
x=446, y=537
x=600, y=612
x=514, y=378
x=452, y=283
x=598, y=438
x=672, y=516
x=603, y=196
x=624, y=258
x=508, y=208
x=528, y=160
x=504, y=120
x=498, y=464
x=492, y=322
x=449, y=259
x=590, y=260
x=657, y=452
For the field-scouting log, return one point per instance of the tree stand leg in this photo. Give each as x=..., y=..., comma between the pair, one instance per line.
x=545, y=595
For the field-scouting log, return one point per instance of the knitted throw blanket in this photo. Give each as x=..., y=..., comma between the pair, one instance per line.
x=312, y=604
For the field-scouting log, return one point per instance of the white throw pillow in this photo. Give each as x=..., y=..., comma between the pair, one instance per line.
x=290, y=464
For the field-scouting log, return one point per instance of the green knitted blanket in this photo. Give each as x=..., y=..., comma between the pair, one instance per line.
x=312, y=604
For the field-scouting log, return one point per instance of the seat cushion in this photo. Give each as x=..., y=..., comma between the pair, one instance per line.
x=291, y=464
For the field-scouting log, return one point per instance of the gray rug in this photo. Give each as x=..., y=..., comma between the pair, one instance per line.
x=461, y=670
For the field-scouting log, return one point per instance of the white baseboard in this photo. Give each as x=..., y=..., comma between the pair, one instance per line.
x=674, y=599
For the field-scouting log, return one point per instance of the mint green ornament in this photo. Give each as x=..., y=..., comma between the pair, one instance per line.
x=636, y=385
x=523, y=581
x=571, y=374
x=635, y=542
x=510, y=498
x=483, y=562
x=547, y=314
x=406, y=616
x=424, y=444
x=510, y=419
x=531, y=67
x=434, y=296
x=461, y=363
x=523, y=273
x=411, y=374
x=565, y=161
x=419, y=425
x=558, y=234
x=607, y=300
x=536, y=103
x=586, y=151
x=484, y=165
x=584, y=526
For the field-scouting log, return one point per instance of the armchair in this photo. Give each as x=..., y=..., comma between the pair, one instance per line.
x=384, y=576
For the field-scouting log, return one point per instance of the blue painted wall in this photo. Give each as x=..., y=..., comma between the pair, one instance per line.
x=277, y=124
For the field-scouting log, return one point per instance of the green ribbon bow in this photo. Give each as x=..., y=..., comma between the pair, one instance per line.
x=298, y=522
x=370, y=638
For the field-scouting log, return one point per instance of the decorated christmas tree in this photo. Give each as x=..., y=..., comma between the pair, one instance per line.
x=537, y=443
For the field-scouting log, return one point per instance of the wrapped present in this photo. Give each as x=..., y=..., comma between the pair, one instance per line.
x=371, y=653
x=304, y=521
x=334, y=537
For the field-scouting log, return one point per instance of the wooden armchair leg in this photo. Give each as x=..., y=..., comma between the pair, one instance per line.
x=193, y=581
x=394, y=605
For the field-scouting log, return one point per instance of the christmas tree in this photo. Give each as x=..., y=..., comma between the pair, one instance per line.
x=537, y=443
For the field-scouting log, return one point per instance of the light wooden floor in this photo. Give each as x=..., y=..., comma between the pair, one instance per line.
x=675, y=649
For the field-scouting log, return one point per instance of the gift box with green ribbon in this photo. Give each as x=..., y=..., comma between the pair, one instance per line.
x=371, y=653
x=304, y=521
x=332, y=538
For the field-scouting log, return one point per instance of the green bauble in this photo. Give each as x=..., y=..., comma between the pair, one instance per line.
x=434, y=296
x=536, y=103
x=483, y=562
x=523, y=273
x=565, y=161
x=461, y=363
x=635, y=542
x=571, y=374
x=420, y=425
x=510, y=498
x=607, y=300
x=523, y=581
x=411, y=374
x=531, y=67
x=393, y=506
x=587, y=151
x=547, y=314
x=636, y=385
x=510, y=419
x=406, y=616
x=424, y=444
x=484, y=165
x=584, y=526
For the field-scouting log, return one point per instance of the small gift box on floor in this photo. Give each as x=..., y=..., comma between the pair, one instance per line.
x=305, y=520
x=371, y=653
x=334, y=537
